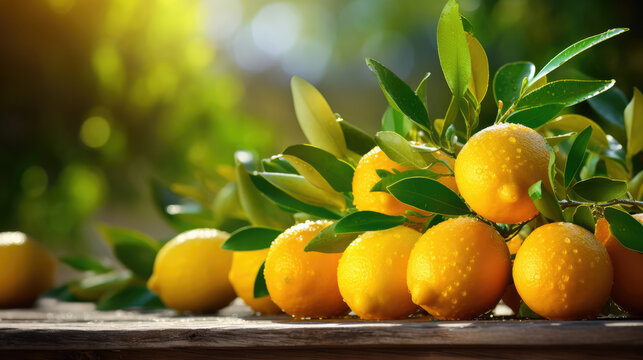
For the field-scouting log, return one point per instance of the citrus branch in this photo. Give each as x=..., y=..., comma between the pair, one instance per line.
x=573, y=203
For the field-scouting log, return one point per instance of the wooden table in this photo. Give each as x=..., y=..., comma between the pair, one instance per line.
x=76, y=331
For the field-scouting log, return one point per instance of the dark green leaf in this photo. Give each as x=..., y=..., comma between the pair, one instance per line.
x=627, y=229
x=251, y=238
x=545, y=202
x=330, y=242
x=576, y=154
x=567, y=92
x=337, y=173
x=170, y=205
x=435, y=219
x=400, y=96
x=535, y=116
x=453, y=49
x=367, y=221
x=583, y=217
x=395, y=121
x=508, y=81
x=428, y=195
x=574, y=50
x=390, y=179
x=136, y=251
x=83, y=263
x=130, y=296
x=610, y=105
x=466, y=25
x=399, y=150
x=357, y=140
x=260, y=288
x=525, y=312
x=600, y=189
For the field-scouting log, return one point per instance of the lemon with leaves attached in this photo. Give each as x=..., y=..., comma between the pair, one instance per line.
x=245, y=265
x=372, y=274
x=459, y=269
x=27, y=270
x=495, y=169
x=191, y=272
x=303, y=284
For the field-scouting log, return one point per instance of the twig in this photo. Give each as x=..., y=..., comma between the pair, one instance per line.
x=573, y=203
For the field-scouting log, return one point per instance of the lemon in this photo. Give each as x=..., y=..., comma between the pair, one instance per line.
x=245, y=265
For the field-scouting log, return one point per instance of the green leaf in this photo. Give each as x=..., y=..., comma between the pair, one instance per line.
x=226, y=205
x=634, y=124
x=599, y=189
x=170, y=205
x=399, y=150
x=83, y=263
x=535, y=116
x=281, y=198
x=336, y=174
x=420, y=91
x=399, y=95
x=551, y=172
x=627, y=229
x=557, y=139
x=136, y=251
x=576, y=154
x=130, y=296
x=260, y=288
x=395, y=121
x=278, y=164
x=479, y=69
x=610, y=105
x=316, y=119
x=577, y=123
x=508, y=81
x=91, y=288
x=583, y=217
x=545, y=202
x=260, y=211
x=466, y=25
x=357, y=140
x=367, y=221
x=251, y=238
x=453, y=49
x=525, y=312
x=329, y=242
x=429, y=195
x=435, y=219
x=567, y=92
x=574, y=50
x=390, y=179
x=301, y=189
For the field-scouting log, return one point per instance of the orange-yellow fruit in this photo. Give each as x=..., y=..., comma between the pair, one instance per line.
x=243, y=273
x=496, y=167
x=627, y=291
x=372, y=274
x=458, y=269
x=563, y=272
x=27, y=270
x=303, y=284
x=366, y=177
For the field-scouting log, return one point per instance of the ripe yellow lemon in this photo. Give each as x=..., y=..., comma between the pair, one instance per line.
x=245, y=265
x=27, y=270
x=458, y=269
x=563, y=272
x=372, y=274
x=366, y=177
x=303, y=284
x=191, y=272
x=496, y=167
x=627, y=291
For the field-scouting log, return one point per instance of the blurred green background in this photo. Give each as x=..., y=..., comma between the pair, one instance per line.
x=99, y=96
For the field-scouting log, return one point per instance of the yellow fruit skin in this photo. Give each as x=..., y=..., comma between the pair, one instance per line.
x=27, y=270
x=627, y=291
x=458, y=269
x=496, y=167
x=372, y=274
x=563, y=272
x=245, y=265
x=303, y=284
x=191, y=272
x=366, y=177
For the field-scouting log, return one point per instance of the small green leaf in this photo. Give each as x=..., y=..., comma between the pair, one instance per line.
x=599, y=189
x=278, y=164
x=390, y=179
x=130, y=296
x=577, y=123
x=316, y=119
x=574, y=50
x=301, y=189
x=551, y=172
x=583, y=217
x=83, y=263
x=627, y=229
x=420, y=91
x=395, y=121
x=525, y=312
x=435, y=219
x=557, y=139
x=251, y=238
x=357, y=140
x=479, y=69
x=136, y=251
x=453, y=49
x=545, y=202
x=91, y=288
x=281, y=198
x=567, y=92
x=466, y=25
x=399, y=150
x=535, y=116
x=329, y=242
x=260, y=288
x=399, y=95
x=576, y=154
x=508, y=81
x=335, y=173
x=610, y=105
x=171, y=204
x=429, y=195
x=634, y=125
x=367, y=221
